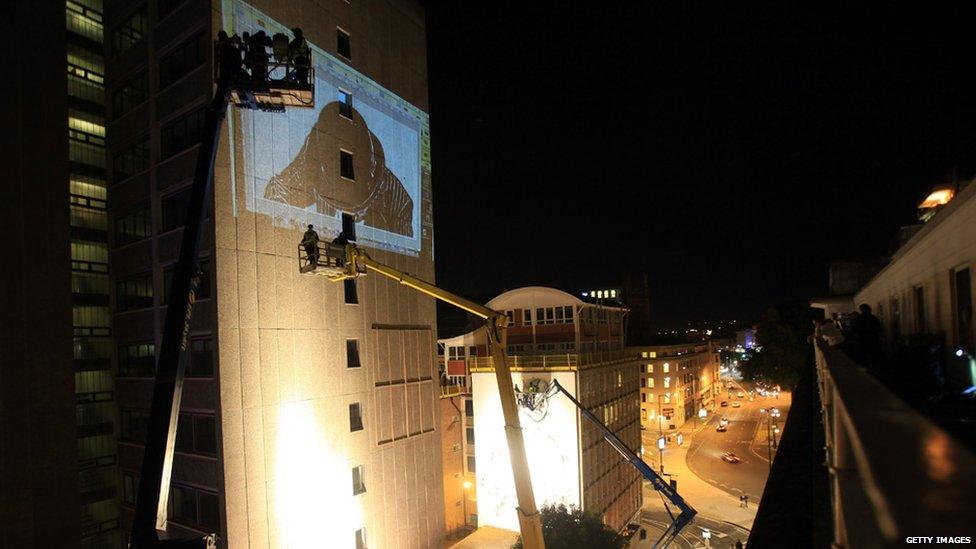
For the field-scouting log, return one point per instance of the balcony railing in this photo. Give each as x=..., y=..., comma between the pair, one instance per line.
x=893, y=473
x=552, y=361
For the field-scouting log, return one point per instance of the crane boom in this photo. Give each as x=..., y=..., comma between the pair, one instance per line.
x=340, y=263
x=687, y=512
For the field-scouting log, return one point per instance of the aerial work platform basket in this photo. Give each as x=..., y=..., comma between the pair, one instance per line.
x=329, y=260
x=270, y=86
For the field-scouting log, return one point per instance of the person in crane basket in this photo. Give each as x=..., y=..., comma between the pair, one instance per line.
x=339, y=243
x=310, y=241
x=229, y=52
x=256, y=54
x=300, y=56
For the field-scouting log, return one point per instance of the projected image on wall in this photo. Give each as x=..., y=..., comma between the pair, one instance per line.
x=362, y=151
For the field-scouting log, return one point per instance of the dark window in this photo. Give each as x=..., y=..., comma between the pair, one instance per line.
x=134, y=293
x=180, y=134
x=137, y=360
x=129, y=31
x=134, y=424
x=643, y=397
x=345, y=104
x=919, y=309
x=130, y=161
x=345, y=165
x=349, y=226
x=132, y=93
x=203, y=287
x=352, y=353
x=469, y=408
x=355, y=417
x=472, y=351
x=349, y=288
x=201, y=358
x=194, y=507
x=471, y=464
x=130, y=487
x=196, y=433
x=358, y=479
x=174, y=210
x=166, y=7
x=361, y=538
x=964, y=309
x=342, y=44
x=182, y=60
x=470, y=435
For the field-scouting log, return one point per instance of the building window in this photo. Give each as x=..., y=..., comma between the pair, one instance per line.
x=650, y=382
x=130, y=31
x=527, y=317
x=129, y=95
x=137, y=360
x=342, y=44
x=568, y=314
x=650, y=398
x=352, y=353
x=201, y=362
x=650, y=368
x=173, y=210
x=134, y=293
x=131, y=161
x=666, y=367
x=471, y=464
x=345, y=103
x=358, y=479
x=643, y=397
x=511, y=317
x=469, y=407
x=193, y=506
x=130, y=487
x=355, y=417
x=361, y=538
x=643, y=382
x=469, y=432
x=667, y=398
x=180, y=134
x=183, y=59
x=196, y=434
x=345, y=165
x=134, y=425
x=667, y=383
x=349, y=291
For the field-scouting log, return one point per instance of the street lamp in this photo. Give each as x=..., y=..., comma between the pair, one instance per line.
x=660, y=449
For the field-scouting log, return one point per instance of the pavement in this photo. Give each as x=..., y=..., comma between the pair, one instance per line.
x=485, y=537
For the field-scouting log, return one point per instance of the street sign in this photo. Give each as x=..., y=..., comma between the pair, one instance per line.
x=660, y=443
x=706, y=533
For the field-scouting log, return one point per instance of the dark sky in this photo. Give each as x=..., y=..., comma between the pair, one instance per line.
x=728, y=152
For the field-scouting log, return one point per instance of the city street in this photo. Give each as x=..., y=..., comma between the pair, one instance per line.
x=746, y=437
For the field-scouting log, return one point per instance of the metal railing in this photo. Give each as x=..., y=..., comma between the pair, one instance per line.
x=553, y=361
x=893, y=473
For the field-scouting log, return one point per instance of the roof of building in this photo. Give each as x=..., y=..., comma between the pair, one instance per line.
x=540, y=296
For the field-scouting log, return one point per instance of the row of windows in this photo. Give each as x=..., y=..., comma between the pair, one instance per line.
x=137, y=224
x=130, y=31
x=137, y=292
x=139, y=359
x=129, y=95
x=180, y=134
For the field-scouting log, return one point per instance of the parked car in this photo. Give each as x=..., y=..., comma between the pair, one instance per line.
x=730, y=457
x=721, y=428
x=724, y=421
x=724, y=403
x=736, y=404
x=740, y=394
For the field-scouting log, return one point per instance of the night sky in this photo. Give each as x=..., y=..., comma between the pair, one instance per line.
x=728, y=152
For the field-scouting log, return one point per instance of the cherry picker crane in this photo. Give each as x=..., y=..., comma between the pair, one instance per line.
x=271, y=87
x=341, y=262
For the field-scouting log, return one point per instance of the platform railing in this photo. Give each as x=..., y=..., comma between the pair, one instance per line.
x=893, y=473
x=553, y=361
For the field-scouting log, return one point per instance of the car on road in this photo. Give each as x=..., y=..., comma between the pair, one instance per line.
x=724, y=403
x=740, y=394
x=722, y=428
x=736, y=404
x=724, y=421
x=730, y=457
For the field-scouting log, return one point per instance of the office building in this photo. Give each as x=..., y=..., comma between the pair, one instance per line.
x=553, y=335
x=309, y=410
x=678, y=383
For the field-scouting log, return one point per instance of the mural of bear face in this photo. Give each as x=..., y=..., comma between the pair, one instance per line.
x=375, y=197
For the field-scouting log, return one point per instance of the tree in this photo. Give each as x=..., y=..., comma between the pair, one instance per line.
x=570, y=528
x=781, y=353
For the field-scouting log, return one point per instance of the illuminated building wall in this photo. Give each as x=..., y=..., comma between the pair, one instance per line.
x=569, y=462
x=287, y=438
x=676, y=383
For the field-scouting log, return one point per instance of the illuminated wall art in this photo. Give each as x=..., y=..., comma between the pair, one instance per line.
x=291, y=161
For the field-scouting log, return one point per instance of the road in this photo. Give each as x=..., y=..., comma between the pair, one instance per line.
x=722, y=533
x=748, y=476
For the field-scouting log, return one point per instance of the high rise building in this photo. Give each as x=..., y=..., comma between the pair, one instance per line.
x=552, y=335
x=308, y=415
x=678, y=383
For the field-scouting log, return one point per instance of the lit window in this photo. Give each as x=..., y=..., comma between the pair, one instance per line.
x=650, y=368
x=667, y=367
x=650, y=382
x=667, y=382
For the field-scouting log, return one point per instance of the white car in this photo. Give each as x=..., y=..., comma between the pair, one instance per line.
x=737, y=404
x=740, y=394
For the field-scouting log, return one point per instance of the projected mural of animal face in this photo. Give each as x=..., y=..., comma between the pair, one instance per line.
x=376, y=196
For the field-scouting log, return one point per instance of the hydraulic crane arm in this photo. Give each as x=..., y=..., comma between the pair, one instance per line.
x=339, y=263
x=686, y=511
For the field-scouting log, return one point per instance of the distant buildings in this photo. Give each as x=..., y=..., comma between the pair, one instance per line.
x=746, y=338
x=553, y=336
x=678, y=383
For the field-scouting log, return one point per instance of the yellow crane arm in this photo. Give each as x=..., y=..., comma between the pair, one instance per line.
x=530, y=522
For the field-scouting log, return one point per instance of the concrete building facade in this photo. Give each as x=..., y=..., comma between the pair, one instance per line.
x=553, y=335
x=677, y=382
x=309, y=414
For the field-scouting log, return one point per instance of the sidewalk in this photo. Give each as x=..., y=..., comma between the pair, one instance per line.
x=709, y=501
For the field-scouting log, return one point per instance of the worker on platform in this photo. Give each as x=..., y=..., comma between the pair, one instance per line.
x=300, y=56
x=229, y=50
x=311, y=243
x=339, y=247
x=256, y=56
